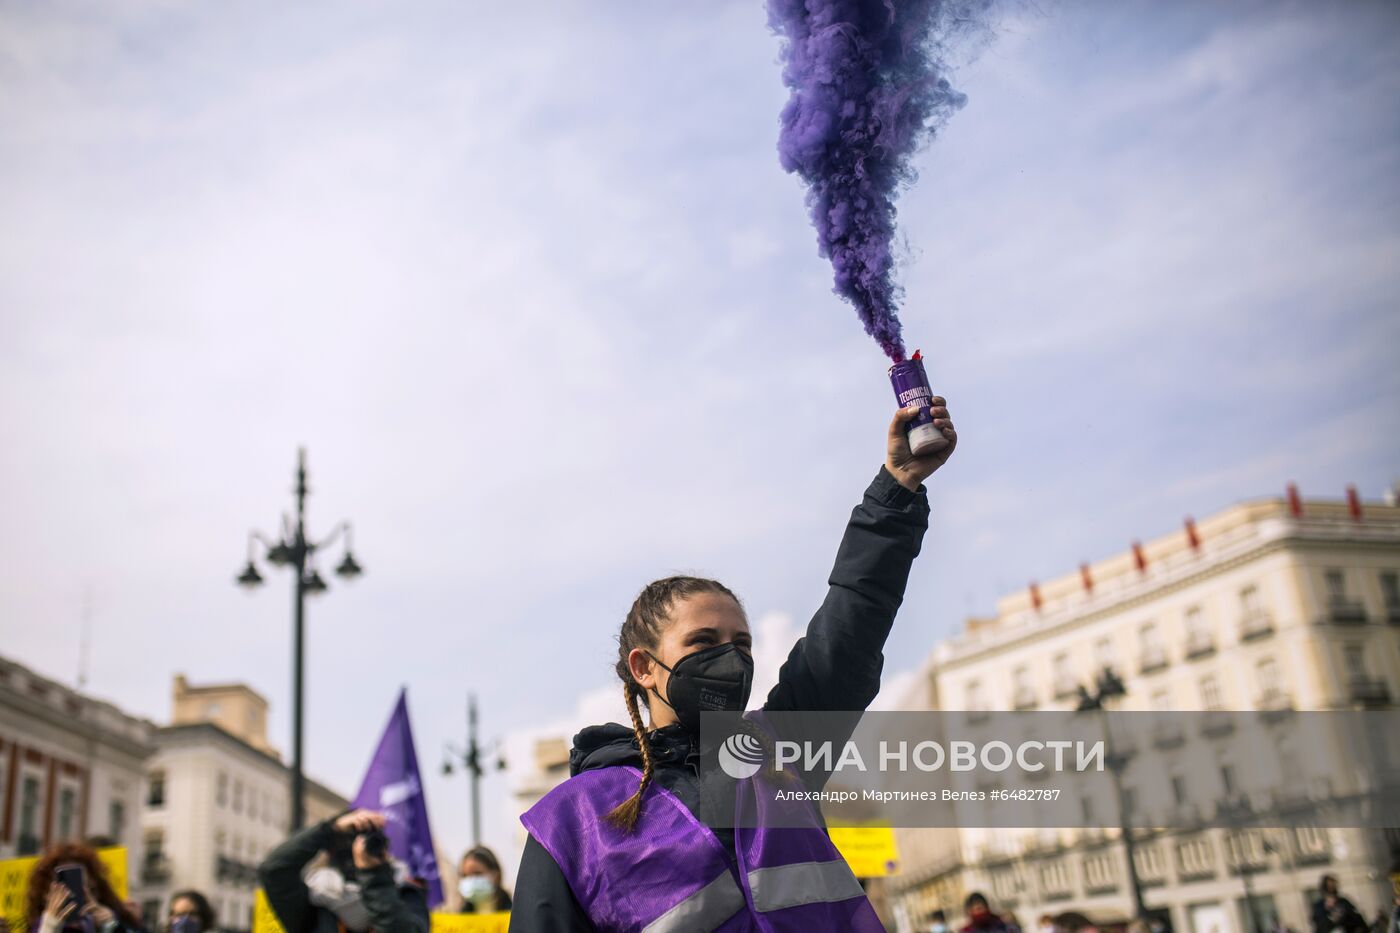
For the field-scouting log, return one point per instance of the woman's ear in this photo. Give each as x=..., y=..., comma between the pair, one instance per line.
x=643, y=668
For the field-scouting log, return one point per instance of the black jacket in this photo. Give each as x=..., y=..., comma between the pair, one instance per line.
x=835, y=666
x=391, y=909
x=1342, y=915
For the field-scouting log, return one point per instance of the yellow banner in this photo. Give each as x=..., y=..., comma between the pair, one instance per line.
x=14, y=882
x=265, y=921
x=869, y=850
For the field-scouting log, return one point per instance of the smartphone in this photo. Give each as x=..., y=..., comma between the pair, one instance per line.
x=72, y=877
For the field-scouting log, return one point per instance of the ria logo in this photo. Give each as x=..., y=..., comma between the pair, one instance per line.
x=741, y=756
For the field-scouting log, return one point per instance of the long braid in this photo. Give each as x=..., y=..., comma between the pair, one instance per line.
x=625, y=815
x=650, y=613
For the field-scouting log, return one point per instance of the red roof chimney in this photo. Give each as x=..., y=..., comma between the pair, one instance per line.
x=1086, y=577
x=1295, y=502
x=1035, y=596
x=1139, y=558
x=1191, y=536
x=1353, y=503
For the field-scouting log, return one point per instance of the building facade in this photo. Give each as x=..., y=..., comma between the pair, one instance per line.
x=71, y=767
x=1273, y=604
x=218, y=800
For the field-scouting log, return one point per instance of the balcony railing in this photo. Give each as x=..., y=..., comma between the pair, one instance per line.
x=1369, y=692
x=232, y=870
x=1152, y=660
x=1346, y=612
x=1024, y=699
x=1216, y=723
x=155, y=869
x=1168, y=734
x=1255, y=625
x=1200, y=645
x=1274, y=703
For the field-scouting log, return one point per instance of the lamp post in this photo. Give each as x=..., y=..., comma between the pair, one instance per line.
x=470, y=759
x=1109, y=688
x=295, y=550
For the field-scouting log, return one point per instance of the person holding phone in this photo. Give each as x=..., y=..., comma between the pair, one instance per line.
x=69, y=891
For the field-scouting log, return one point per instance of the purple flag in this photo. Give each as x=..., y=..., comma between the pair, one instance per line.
x=392, y=786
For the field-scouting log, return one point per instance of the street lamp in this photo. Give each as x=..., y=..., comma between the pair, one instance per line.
x=470, y=759
x=294, y=549
x=1108, y=689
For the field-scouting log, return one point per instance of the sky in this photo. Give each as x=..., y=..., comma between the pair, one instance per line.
x=528, y=283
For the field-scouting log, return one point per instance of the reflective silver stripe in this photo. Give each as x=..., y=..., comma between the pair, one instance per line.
x=803, y=883
x=704, y=910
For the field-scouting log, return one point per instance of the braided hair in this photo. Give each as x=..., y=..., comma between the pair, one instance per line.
x=648, y=617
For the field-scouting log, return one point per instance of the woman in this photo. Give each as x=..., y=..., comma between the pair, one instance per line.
x=358, y=891
x=480, y=883
x=623, y=844
x=189, y=913
x=50, y=907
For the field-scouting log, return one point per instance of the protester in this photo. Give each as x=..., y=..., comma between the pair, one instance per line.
x=1046, y=924
x=938, y=922
x=357, y=891
x=480, y=883
x=627, y=831
x=190, y=912
x=1332, y=913
x=49, y=907
x=980, y=918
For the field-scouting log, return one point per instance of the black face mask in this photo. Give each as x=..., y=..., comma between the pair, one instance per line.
x=714, y=679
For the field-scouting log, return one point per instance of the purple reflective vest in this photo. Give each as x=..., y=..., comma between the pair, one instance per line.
x=671, y=874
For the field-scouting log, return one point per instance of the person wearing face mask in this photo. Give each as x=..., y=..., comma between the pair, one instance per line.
x=980, y=918
x=938, y=922
x=189, y=913
x=480, y=884
x=624, y=843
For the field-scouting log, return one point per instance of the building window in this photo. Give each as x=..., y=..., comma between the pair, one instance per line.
x=1227, y=779
x=116, y=821
x=1104, y=655
x=155, y=796
x=976, y=703
x=252, y=804
x=1179, y=795
x=1210, y=694
x=1152, y=656
x=237, y=796
x=67, y=807
x=223, y=789
x=1249, y=601
x=29, y=816
x=1064, y=677
x=1266, y=677
x=1355, y=657
x=1336, y=586
x=1390, y=590
x=212, y=710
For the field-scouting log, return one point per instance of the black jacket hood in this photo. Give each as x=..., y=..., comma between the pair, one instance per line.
x=615, y=744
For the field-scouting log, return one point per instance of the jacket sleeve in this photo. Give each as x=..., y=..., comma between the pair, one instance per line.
x=280, y=876
x=837, y=664
x=392, y=909
x=544, y=902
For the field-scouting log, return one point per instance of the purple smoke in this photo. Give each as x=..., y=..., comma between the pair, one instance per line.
x=867, y=87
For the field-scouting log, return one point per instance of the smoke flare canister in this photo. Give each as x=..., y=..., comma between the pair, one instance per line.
x=911, y=388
